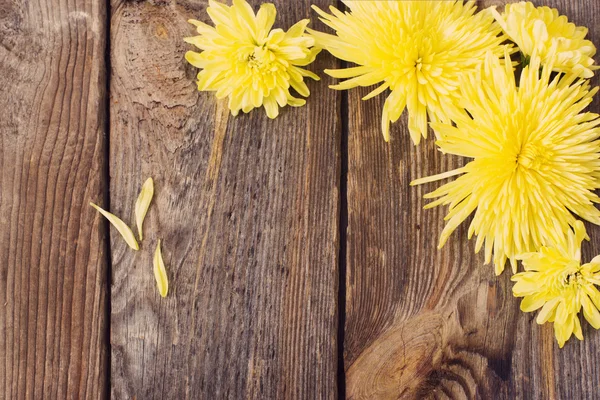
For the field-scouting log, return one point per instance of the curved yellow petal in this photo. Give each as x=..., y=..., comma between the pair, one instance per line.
x=160, y=272
x=123, y=229
x=143, y=203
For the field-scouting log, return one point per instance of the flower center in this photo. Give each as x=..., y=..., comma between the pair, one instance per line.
x=419, y=63
x=571, y=277
x=532, y=157
x=259, y=58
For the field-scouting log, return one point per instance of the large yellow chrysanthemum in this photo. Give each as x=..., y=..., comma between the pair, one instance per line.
x=540, y=28
x=555, y=281
x=535, y=159
x=243, y=59
x=418, y=49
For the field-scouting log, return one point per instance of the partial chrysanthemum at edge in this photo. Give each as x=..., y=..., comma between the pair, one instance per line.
x=540, y=28
x=417, y=49
x=535, y=159
x=555, y=281
x=246, y=61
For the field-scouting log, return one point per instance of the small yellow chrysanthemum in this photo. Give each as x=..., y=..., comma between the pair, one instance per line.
x=418, y=49
x=535, y=159
x=555, y=280
x=243, y=59
x=539, y=28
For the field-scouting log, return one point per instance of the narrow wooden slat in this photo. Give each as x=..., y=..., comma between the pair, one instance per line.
x=53, y=286
x=423, y=323
x=247, y=211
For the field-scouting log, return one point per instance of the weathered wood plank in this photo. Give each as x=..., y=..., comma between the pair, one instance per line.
x=247, y=209
x=53, y=286
x=425, y=323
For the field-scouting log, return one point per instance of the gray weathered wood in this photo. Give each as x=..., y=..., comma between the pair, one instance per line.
x=247, y=209
x=53, y=266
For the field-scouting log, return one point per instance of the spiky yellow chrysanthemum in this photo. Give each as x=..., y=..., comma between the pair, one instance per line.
x=243, y=59
x=555, y=281
x=417, y=49
x=535, y=159
x=540, y=28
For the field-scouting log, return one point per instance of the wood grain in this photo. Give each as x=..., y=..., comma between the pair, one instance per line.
x=423, y=323
x=247, y=209
x=53, y=287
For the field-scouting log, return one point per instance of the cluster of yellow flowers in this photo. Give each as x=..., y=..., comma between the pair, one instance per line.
x=533, y=148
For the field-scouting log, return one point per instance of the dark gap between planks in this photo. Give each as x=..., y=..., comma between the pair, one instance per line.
x=343, y=225
x=106, y=198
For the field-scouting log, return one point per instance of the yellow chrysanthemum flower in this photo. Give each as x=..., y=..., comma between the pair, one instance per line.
x=539, y=28
x=555, y=281
x=535, y=159
x=243, y=59
x=417, y=49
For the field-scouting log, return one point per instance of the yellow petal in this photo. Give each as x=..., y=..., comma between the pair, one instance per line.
x=195, y=59
x=271, y=108
x=562, y=332
x=265, y=18
x=143, y=203
x=531, y=303
x=123, y=229
x=160, y=273
x=298, y=28
x=590, y=312
x=438, y=177
x=548, y=311
x=561, y=314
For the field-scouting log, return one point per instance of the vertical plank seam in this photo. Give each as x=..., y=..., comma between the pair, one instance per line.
x=342, y=234
x=342, y=256
x=106, y=194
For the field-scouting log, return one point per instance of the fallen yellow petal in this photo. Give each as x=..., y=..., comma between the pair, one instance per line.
x=160, y=273
x=121, y=227
x=143, y=203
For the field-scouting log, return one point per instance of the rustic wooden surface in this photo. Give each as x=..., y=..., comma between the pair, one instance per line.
x=53, y=261
x=260, y=222
x=247, y=209
x=423, y=323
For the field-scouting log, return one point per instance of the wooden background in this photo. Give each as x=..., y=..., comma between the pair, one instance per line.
x=301, y=263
